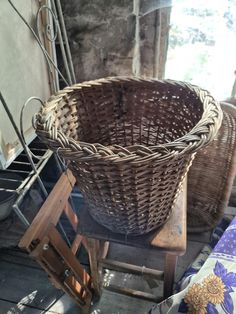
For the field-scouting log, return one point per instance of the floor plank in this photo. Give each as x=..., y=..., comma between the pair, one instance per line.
x=18, y=257
x=64, y=305
x=113, y=303
x=7, y=307
x=26, y=285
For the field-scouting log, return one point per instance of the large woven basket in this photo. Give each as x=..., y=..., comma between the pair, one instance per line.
x=129, y=142
x=211, y=176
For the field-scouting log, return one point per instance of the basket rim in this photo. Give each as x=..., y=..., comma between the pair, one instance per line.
x=200, y=135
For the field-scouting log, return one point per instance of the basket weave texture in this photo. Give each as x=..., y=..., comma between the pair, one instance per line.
x=211, y=176
x=129, y=142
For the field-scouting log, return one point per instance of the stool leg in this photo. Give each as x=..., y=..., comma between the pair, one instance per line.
x=93, y=249
x=169, y=274
x=104, y=247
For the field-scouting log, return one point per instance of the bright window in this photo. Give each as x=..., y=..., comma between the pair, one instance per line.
x=202, y=44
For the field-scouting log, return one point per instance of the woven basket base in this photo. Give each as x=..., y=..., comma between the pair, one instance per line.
x=119, y=226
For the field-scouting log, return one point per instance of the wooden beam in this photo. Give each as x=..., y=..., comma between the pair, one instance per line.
x=93, y=246
x=161, y=41
x=63, y=250
x=54, y=277
x=103, y=249
x=170, y=267
x=172, y=236
x=71, y=215
x=45, y=253
x=132, y=269
x=76, y=243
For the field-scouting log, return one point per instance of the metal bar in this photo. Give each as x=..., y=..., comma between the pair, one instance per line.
x=31, y=181
x=27, y=179
x=38, y=149
x=22, y=142
x=11, y=180
x=63, y=27
x=31, y=162
x=21, y=163
x=64, y=57
x=18, y=171
x=20, y=215
x=7, y=190
x=49, y=18
x=26, y=189
x=24, y=155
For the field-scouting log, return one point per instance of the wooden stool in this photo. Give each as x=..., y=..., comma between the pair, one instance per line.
x=169, y=239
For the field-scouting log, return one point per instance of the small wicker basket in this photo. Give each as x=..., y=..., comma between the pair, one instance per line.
x=129, y=142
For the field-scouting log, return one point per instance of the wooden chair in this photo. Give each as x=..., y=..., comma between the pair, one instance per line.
x=169, y=239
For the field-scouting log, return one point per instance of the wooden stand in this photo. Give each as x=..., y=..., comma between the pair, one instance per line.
x=169, y=239
x=46, y=245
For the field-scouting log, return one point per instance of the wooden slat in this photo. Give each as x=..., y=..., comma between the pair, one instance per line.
x=56, y=269
x=85, y=244
x=74, y=286
x=51, y=210
x=56, y=281
x=132, y=269
x=93, y=246
x=170, y=267
x=76, y=243
x=134, y=293
x=172, y=236
x=48, y=256
x=60, y=246
x=71, y=215
x=103, y=250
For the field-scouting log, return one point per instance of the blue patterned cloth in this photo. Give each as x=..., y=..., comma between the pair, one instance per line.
x=209, y=284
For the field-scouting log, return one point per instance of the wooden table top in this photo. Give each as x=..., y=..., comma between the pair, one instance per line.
x=171, y=237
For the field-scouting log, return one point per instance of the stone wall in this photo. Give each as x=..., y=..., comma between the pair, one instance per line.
x=104, y=40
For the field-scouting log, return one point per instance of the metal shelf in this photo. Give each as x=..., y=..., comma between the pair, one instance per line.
x=23, y=169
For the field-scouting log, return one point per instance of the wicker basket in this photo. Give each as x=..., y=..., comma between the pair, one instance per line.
x=129, y=142
x=211, y=176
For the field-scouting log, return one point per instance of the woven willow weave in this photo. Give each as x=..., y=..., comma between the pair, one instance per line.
x=211, y=176
x=129, y=142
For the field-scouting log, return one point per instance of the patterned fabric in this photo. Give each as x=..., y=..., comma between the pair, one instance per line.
x=203, y=255
x=209, y=284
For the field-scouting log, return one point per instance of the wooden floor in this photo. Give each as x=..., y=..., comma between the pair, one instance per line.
x=25, y=288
